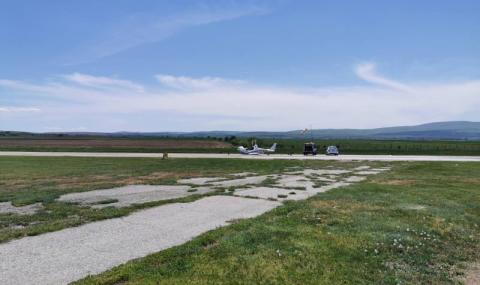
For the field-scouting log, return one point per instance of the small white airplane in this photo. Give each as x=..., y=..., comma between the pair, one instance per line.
x=257, y=150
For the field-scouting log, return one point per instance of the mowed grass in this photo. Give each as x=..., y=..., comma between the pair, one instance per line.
x=417, y=224
x=28, y=180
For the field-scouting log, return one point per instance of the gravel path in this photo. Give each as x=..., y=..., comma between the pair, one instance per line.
x=68, y=255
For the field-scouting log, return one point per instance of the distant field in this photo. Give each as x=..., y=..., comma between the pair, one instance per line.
x=112, y=144
x=103, y=144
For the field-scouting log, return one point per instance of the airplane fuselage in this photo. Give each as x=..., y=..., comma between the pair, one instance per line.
x=256, y=150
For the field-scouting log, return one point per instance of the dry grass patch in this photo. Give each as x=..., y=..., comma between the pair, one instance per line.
x=152, y=178
x=472, y=276
x=344, y=206
x=398, y=182
x=470, y=180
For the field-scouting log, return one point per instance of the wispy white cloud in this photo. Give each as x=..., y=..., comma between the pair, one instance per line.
x=11, y=109
x=185, y=82
x=367, y=71
x=137, y=29
x=102, y=82
x=217, y=103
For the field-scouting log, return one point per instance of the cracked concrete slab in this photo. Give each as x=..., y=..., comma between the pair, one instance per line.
x=217, y=180
x=362, y=167
x=270, y=193
x=285, y=194
x=65, y=256
x=320, y=172
x=198, y=180
x=381, y=169
x=8, y=208
x=355, y=178
x=367, y=172
x=251, y=180
x=244, y=174
x=132, y=194
x=294, y=181
x=323, y=179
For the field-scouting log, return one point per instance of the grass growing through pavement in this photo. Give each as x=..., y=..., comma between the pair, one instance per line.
x=27, y=180
x=419, y=223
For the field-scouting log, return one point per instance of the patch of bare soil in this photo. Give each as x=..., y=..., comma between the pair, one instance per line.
x=471, y=180
x=394, y=182
x=344, y=206
x=413, y=207
x=472, y=276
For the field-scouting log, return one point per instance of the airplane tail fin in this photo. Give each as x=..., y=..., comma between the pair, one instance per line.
x=274, y=147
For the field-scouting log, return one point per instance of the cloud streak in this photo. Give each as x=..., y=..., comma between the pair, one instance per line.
x=367, y=71
x=190, y=83
x=102, y=82
x=137, y=29
x=10, y=109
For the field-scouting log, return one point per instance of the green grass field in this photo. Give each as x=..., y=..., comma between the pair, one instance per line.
x=418, y=223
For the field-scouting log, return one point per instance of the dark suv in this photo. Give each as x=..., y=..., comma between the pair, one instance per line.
x=309, y=148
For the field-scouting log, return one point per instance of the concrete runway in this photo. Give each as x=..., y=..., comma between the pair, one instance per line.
x=272, y=156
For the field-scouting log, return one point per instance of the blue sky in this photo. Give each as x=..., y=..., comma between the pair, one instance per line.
x=236, y=65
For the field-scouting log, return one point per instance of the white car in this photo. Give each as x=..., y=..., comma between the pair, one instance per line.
x=332, y=150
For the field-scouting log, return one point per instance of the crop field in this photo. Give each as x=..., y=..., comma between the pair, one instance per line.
x=416, y=223
x=114, y=144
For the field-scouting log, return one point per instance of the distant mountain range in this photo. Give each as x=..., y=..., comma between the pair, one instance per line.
x=454, y=130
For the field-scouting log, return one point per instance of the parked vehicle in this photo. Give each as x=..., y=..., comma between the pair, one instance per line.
x=332, y=150
x=309, y=148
